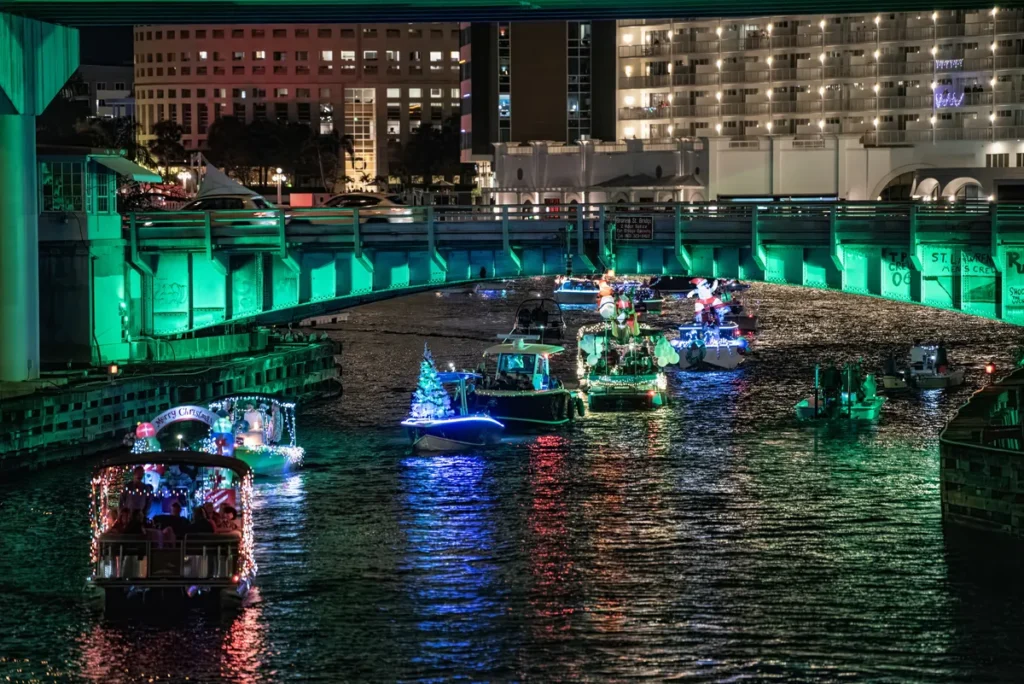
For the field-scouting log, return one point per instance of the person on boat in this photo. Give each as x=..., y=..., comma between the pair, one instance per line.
x=137, y=495
x=200, y=523
x=831, y=382
x=229, y=520
x=128, y=522
x=174, y=522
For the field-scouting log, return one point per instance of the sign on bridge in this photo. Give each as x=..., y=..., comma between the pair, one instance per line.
x=634, y=228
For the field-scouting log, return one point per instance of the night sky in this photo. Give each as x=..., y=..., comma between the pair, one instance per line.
x=109, y=45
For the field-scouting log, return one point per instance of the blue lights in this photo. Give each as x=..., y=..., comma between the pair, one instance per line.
x=413, y=423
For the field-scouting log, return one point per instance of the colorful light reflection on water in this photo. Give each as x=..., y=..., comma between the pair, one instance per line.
x=713, y=538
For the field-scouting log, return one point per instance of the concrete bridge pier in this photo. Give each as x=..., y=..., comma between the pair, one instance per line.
x=38, y=58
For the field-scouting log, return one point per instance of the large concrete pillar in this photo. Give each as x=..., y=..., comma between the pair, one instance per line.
x=36, y=60
x=19, y=249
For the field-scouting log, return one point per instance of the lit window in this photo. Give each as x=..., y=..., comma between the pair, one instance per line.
x=325, y=92
x=394, y=92
x=435, y=56
x=435, y=92
x=455, y=93
x=202, y=55
x=415, y=93
x=280, y=92
x=455, y=55
x=326, y=56
x=259, y=54
x=347, y=56
x=370, y=55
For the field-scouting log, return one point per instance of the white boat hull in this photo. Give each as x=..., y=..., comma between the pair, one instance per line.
x=937, y=381
x=433, y=444
x=726, y=358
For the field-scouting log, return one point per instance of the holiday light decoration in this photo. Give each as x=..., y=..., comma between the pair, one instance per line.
x=431, y=400
x=948, y=99
x=949, y=64
x=246, y=551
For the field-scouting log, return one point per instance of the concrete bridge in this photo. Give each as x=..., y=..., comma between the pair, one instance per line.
x=193, y=271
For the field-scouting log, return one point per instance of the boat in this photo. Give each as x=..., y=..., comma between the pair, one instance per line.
x=745, y=317
x=152, y=561
x=521, y=392
x=645, y=298
x=845, y=395
x=576, y=291
x=928, y=368
x=258, y=429
x=677, y=285
x=434, y=426
x=703, y=345
x=623, y=372
x=539, y=317
x=263, y=431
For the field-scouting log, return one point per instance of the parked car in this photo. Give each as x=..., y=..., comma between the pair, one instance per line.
x=373, y=207
x=264, y=210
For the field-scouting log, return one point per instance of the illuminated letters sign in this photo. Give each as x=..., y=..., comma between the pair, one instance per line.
x=181, y=413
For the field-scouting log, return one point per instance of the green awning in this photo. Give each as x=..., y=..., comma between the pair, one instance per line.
x=128, y=168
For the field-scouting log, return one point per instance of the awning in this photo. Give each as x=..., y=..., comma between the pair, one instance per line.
x=124, y=167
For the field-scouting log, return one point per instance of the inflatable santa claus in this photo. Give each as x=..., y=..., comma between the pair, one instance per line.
x=709, y=309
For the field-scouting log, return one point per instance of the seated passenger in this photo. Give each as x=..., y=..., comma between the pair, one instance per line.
x=173, y=522
x=200, y=523
x=128, y=522
x=229, y=519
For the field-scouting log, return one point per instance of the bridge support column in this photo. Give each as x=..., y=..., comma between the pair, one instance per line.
x=37, y=60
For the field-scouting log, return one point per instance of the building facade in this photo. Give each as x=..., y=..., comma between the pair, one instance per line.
x=905, y=77
x=375, y=82
x=107, y=89
x=547, y=80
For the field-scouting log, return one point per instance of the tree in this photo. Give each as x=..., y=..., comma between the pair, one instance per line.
x=228, y=147
x=432, y=151
x=167, y=147
x=431, y=400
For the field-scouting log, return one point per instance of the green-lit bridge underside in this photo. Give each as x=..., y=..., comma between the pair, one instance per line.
x=122, y=12
x=193, y=271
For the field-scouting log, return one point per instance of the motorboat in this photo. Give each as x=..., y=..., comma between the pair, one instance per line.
x=257, y=429
x=142, y=551
x=541, y=318
x=682, y=285
x=928, y=368
x=434, y=426
x=623, y=371
x=262, y=429
x=576, y=291
x=520, y=390
x=646, y=299
x=841, y=395
x=702, y=345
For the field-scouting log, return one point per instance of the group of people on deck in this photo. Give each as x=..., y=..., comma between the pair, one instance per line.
x=130, y=515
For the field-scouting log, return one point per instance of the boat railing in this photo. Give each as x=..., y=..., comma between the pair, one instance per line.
x=195, y=557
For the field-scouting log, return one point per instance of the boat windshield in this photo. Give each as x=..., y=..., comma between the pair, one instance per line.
x=517, y=364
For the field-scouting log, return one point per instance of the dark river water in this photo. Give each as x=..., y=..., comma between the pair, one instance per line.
x=714, y=538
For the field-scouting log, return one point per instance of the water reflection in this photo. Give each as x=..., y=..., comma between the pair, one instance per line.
x=449, y=562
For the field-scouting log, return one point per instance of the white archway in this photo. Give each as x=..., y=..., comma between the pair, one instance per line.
x=893, y=174
x=957, y=184
x=929, y=187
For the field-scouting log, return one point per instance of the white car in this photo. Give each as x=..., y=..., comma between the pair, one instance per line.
x=264, y=209
x=374, y=207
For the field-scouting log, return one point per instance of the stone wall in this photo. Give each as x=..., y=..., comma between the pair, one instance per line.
x=94, y=415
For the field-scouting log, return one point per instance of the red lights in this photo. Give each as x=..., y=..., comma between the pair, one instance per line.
x=990, y=368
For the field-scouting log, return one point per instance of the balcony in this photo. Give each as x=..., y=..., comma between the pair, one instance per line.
x=638, y=113
x=647, y=50
x=645, y=81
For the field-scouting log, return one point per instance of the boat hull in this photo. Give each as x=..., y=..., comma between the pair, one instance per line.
x=923, y=381
x=713, y=357
x=454, y=435
x=527, y=409
x=869, y=410
x=269, y=462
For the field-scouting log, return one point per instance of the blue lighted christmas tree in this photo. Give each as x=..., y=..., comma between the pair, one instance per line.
x=431, y=400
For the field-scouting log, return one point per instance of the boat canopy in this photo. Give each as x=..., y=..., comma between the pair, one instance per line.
x=197, y=458
x=457, y=376
x=524, y=349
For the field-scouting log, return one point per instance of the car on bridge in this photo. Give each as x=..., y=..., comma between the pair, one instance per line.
x=373, y=207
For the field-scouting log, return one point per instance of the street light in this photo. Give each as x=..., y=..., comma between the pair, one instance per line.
x=184, y=177
x=279, y=178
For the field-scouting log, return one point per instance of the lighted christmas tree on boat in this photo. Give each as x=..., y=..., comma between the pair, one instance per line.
x=434, y=426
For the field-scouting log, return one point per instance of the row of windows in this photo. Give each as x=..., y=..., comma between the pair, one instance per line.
x=1002, y=161
x=299, y=70
x=299, y=56
x=324, y=93
x=219, y=34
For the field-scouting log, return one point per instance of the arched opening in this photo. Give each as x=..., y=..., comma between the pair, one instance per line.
x=899, y=189
x=964, y=188
x=927, y=189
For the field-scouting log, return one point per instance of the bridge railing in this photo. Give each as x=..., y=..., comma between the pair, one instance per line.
x=449, y=225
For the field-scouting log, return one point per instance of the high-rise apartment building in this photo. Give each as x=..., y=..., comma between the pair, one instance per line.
x=523, y=81
x=904, y=77
x=375, y=82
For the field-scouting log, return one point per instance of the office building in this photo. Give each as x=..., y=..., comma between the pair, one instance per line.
x=545, y=80
x=375, y=82
x=107, y=89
